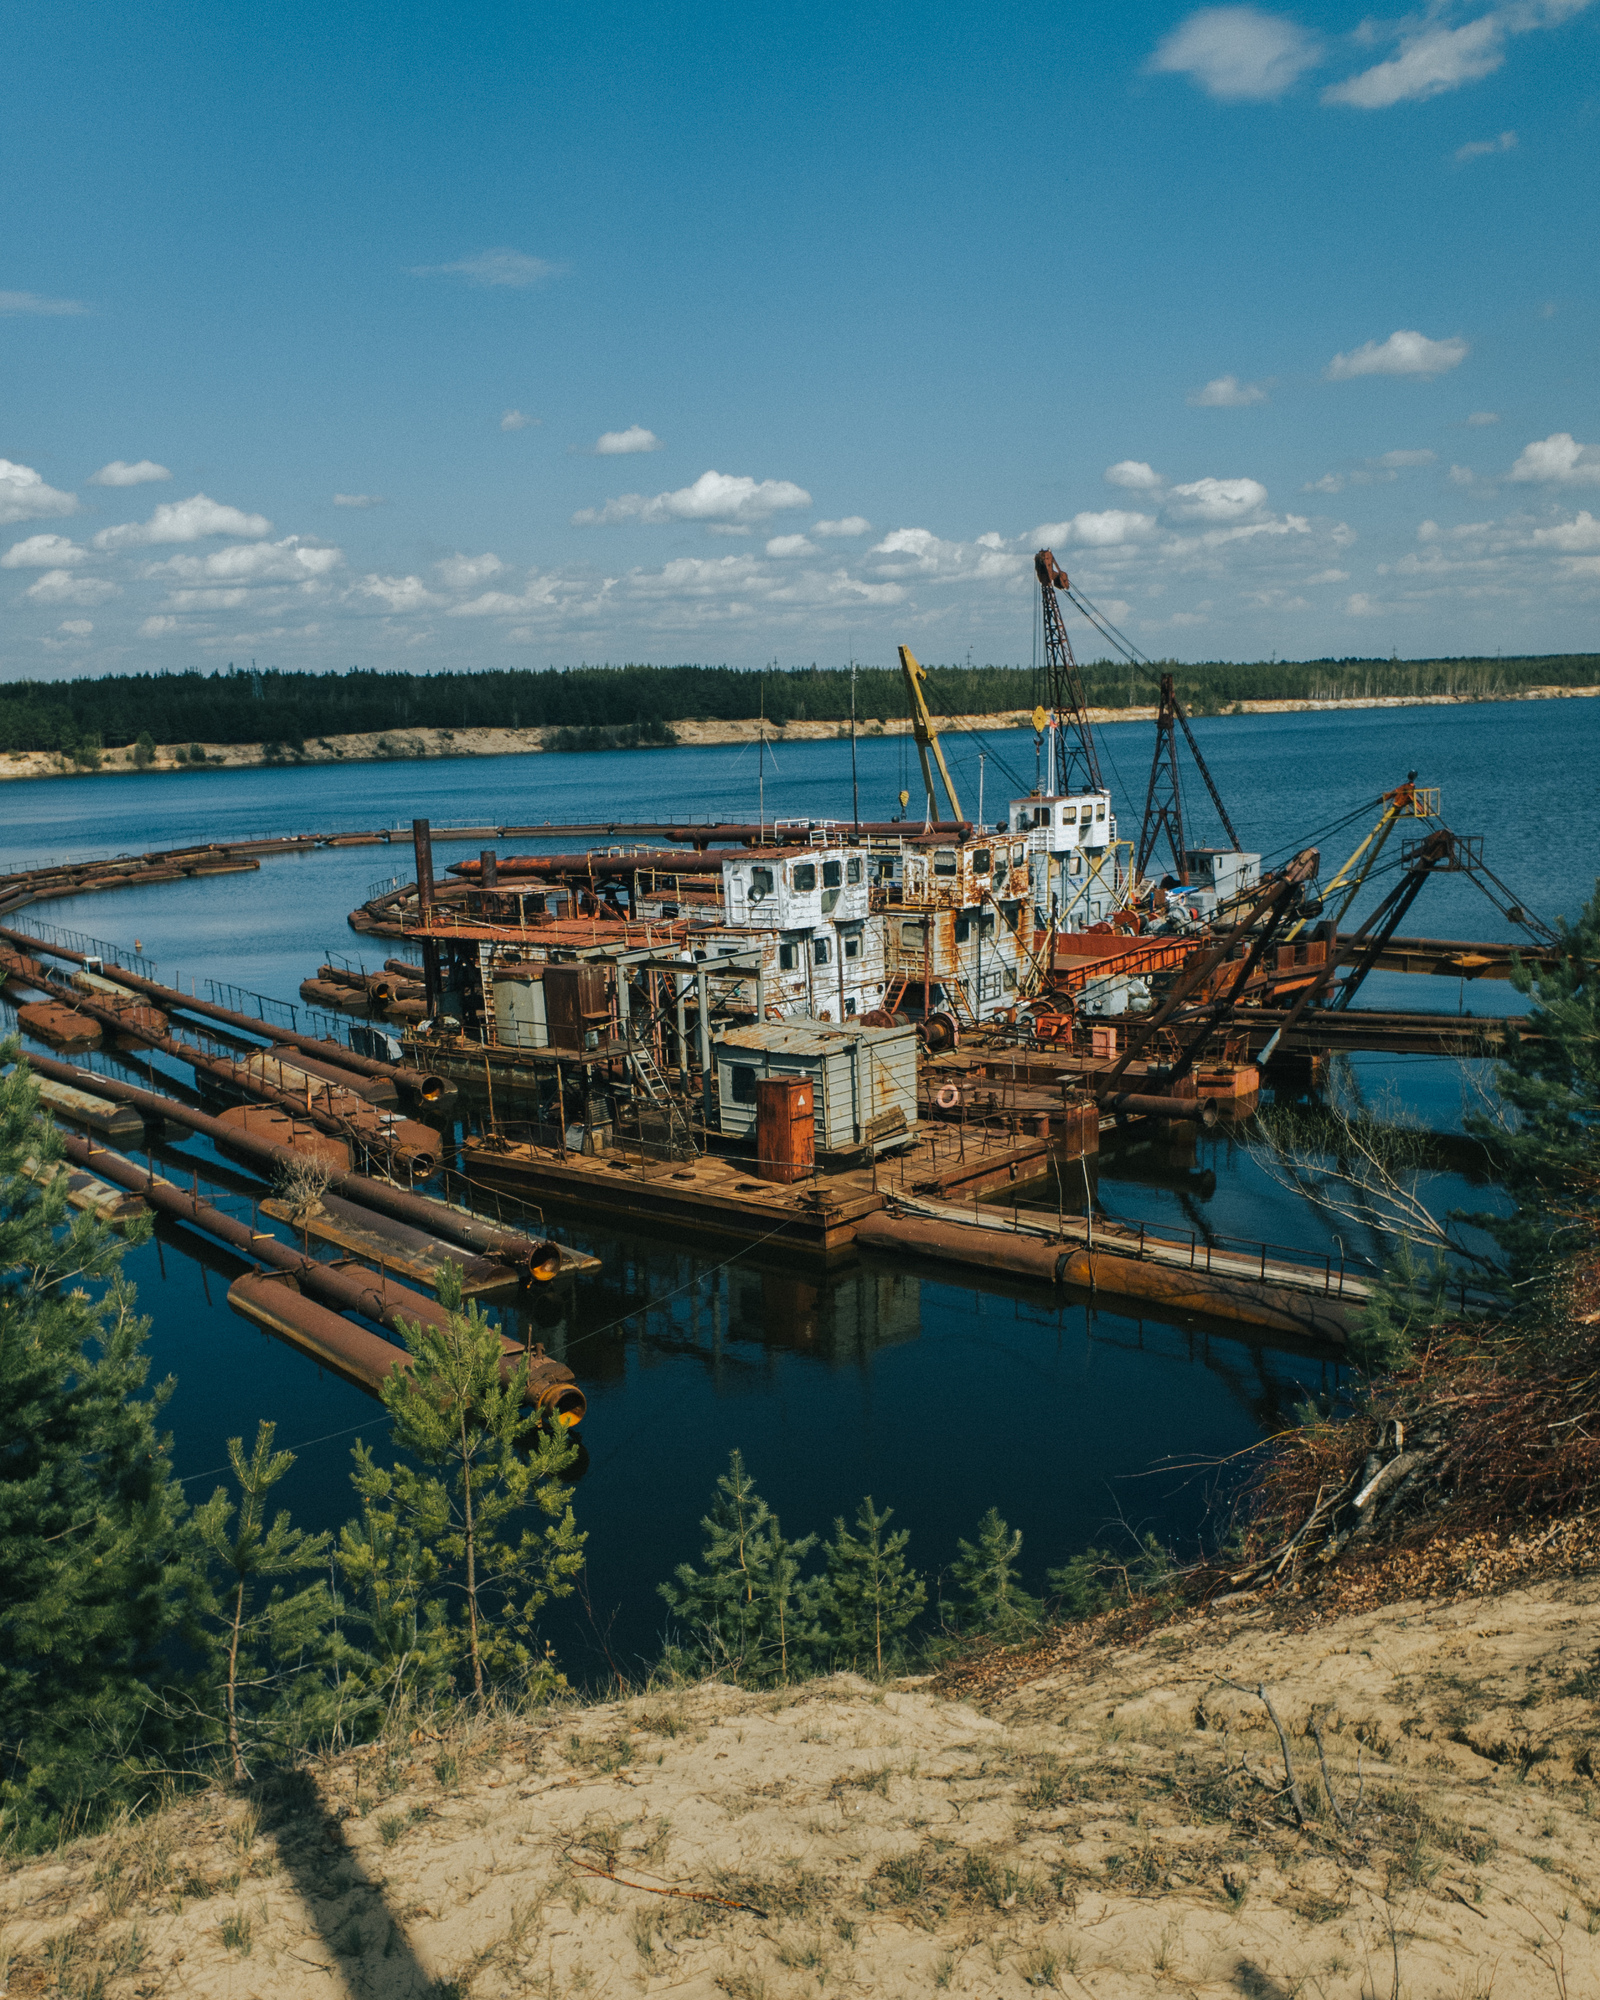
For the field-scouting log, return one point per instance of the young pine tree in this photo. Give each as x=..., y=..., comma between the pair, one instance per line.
x=392, y=1576
x=97, y=1565
x=1550, y=1080
x=749, y=1608
x=869, y=1598
x=282, y=1627
x=494, y=1459
x=992, y=1600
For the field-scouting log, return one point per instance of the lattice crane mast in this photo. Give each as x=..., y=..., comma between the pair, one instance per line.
x=1163, y=804
x=1076, y=761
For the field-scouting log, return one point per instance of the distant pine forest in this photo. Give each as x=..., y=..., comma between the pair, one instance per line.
x=244, y=706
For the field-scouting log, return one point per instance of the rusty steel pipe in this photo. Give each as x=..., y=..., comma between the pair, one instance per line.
x=345, y=1290
x=540, y=1259
x=1195, y=1110
x=1279, y=1308
x=421, y=1159
x=423, y=1085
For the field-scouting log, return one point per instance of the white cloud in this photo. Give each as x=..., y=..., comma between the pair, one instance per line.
x=1397, y=461
x=1577, y=536
x=60, y=586
x=210, y=599
x=790, y=545
x=288, y=561
x=1106, y=530
x=120, y=473
x=1330, y=482
x=1475, y=149
x=1237, y=53
x=1330, y=576
x=1559, y=460
x=396, y=593
x=32, y=303
x=918, y=552
x=510, y=268
x=159, y=626
x=1222, y=500
x=25, y=497
x=1134, y=474
x=358, y=499
x=852, y=524
x=1462, y=475
x=1403, y=353
x=714, y=496
x=465, y=572
x=76, y=628
x=1481, y=419
x=517, y=420
x=1227, y=392
x=1431, y=60
x=43, y=552
x=188, y=520
x=1359, y=605
x=617, y=444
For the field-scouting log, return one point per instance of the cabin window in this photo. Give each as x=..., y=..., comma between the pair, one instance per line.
x=849, y=1008
x=980, y=861
x=832, y=874
x=744, y=1083
x=760, y=883
x=805, y=877
x=819, y=950
x=1069, y=815
x=944, y=861
x=1011, y=912
x=963, y=928
x=852, y=870
x=1008, y=980
x=786, y=958
x=1100, y=809
x=852, y=947
x=1041, y=815
x=913, y=937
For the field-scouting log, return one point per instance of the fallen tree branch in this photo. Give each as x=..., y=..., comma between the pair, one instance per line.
x=687, y=1895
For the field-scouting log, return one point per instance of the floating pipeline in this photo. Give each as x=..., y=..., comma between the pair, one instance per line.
x=422, y=1087
x=412, y=1146
x=1278, y=1307
x=551, y=1384
x=538, y=1259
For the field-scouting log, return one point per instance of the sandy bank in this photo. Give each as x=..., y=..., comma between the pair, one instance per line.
x=1117, y=1828
x=405, y=745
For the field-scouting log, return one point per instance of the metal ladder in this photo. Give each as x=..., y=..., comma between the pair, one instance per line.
x=656, y=1088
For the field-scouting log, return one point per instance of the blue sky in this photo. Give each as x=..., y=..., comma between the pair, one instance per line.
x=446, y=337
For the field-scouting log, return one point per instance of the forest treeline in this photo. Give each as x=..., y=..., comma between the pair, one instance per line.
x=245, y=706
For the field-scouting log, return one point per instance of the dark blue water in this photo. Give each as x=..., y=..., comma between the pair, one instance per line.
x=938, y=1398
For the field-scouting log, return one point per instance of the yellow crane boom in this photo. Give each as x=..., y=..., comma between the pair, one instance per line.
x=922, y=728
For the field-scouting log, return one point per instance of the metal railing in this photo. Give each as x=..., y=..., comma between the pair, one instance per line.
x=90, y=947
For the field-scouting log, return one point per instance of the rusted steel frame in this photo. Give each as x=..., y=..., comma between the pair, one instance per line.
x=1271, y=902
x=437, y=1218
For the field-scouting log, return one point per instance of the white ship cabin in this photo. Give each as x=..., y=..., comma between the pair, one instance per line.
x=1077, y=878
x=822, y=957
x=1216, y=876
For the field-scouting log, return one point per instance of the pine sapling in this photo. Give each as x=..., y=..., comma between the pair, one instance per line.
x=250, y=1552
x=986, y=1570
x=869, y=1598
x=462, y=1408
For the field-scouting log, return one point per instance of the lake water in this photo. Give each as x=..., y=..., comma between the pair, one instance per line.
x=938, y=1397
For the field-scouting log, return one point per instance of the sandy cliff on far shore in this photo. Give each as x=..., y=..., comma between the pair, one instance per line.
x=400, y=745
